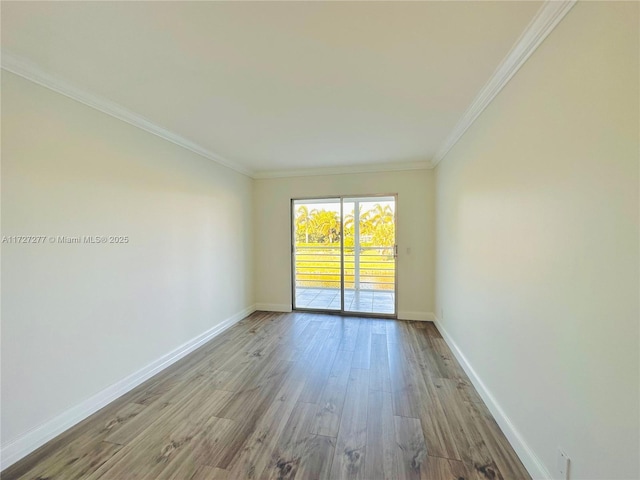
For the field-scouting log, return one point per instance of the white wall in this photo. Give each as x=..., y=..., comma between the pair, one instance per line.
x=78, y=318
x=415, y=219
x=537, y=244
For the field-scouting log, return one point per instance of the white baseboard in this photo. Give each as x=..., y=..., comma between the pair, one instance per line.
x=419, y=316
x=35, y=438
x=530, y=460
x=273, y=307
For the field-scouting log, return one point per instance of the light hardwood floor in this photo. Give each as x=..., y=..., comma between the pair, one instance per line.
x=282, y=396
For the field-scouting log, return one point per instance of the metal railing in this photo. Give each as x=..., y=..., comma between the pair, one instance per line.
x=319, y=266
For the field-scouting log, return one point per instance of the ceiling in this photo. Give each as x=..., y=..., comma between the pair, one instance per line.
x=276, y=86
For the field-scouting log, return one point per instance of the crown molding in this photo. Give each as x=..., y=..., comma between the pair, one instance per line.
x=545, y=20
x=26, y=69
x=340, y=170
x=30, y=71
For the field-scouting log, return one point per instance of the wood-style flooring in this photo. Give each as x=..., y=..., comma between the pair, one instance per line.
x=298, y=395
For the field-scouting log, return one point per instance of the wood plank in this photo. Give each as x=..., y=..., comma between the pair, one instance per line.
x=362, y=350
x=467, y=391
x=300, y=453
x=448, y=365
x=257, y=395
x=349, y=332
x=174, y=453
x=256, y=451
x=330, y=405
x=88, y=448
x=424, y=352
x=349, y=458
x=318, y=376
x=379, y=373
x=436, y=429
x=431, y=330
x=406, y=395
x=317, y=364
x=253, y=369
x=437, y=468
x=450, y=368
x=247, y=409
x=380, y=461
x=210, y=473
x=379, y=326
x=74, y=463
x=411, y=450
x=468, y=439
x=497, y=444
x=399, y=332
x=439, y=434
x=306, y=335
x=175, y=444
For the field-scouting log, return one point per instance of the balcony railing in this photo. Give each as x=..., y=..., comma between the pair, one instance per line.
x=369, y=268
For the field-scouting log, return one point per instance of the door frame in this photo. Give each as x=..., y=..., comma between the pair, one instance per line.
x=342, y=311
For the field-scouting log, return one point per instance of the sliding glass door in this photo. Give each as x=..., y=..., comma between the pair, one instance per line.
x=344, y=254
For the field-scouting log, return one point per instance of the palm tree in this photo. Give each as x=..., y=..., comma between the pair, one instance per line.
x=327, y=225
x=380, y=224
x=303, y=220
x=380, y=215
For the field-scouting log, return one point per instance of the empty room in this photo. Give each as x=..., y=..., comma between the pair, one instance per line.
x=368, y=240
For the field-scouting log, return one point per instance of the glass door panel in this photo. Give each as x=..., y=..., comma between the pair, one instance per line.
x=369, y=255
x=316, y=251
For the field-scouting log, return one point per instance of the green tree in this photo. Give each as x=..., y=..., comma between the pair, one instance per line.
x=382, y=221
x=303, y=224
x=326, y=226
x=377, y=226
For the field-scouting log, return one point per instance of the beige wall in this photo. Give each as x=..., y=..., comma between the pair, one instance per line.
x=415, y=231
x=78, y=318
x=537, y=245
